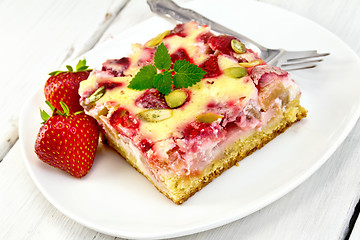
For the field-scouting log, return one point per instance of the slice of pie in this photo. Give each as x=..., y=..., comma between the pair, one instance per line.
x=182, y=141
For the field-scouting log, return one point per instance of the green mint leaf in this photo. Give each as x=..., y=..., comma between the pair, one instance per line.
x=162, y=58
x=144, y=79
x=187, y=74
x=163, y=82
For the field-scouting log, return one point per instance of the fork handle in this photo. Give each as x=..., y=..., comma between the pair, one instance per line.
x=170, y=9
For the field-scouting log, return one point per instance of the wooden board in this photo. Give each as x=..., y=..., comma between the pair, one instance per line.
x=41, y=36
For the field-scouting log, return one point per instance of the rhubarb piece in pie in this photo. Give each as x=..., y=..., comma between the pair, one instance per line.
x=182, y=140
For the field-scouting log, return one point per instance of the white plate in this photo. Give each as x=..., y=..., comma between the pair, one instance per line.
x=114, y=199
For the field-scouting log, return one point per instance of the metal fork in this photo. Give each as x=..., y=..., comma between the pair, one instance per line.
x=287, y=60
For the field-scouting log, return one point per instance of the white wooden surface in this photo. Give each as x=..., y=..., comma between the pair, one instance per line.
x=39, y=36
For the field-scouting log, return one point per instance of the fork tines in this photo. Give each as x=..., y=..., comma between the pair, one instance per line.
x=298, y=63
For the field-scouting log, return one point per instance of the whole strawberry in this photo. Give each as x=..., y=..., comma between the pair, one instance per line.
x=64, y=85
x=68, y=141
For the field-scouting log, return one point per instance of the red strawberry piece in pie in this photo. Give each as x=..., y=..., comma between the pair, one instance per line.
x=211, y=67
x=221, y=43
x=151, y=98
x=180, y=54
x=116, y=66
x=179, y=30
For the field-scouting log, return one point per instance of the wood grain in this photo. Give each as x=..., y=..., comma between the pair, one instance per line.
x=42, y=35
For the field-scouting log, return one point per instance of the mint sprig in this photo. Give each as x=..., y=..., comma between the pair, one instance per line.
x=186, y=73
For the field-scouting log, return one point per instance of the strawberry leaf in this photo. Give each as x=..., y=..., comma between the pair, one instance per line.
x=69, y=68
x=78, y=112
x=162, y=58
x=65, y=108
x=81, y=66
x=55, y=73
x=44, y=116
x=50, y=105
x=163, y=82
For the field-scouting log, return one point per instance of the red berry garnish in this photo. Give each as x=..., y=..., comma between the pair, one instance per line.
x=151, y=98
x=68, y=141
x=64, y=85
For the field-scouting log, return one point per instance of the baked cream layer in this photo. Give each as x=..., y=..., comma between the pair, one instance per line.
x=222, y=87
